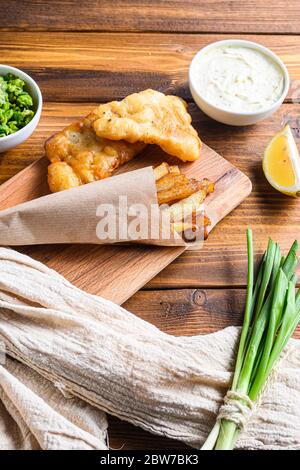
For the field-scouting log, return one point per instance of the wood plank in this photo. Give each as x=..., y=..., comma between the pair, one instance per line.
x=101, y=270
x=259, y=16
x=189, y=312
x=222, y=261
x=125, y=436
x=179, y=312
x=100, y=67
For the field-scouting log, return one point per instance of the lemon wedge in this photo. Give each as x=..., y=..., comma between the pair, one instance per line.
x=281, y=163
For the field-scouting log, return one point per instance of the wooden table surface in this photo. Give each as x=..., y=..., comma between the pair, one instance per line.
x=82, y=53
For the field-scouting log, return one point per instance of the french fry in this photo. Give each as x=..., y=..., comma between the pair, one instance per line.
x=188, y=232
x=161, y=171
x=195, y=215
x=207, y=221
x=185, y=207
x=189, y=193
x=207, y=185
x=180, y=227
x=179, y=191
x=174, y=170
x=169, y=181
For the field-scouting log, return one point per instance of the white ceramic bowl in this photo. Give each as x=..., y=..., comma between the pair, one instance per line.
x=12, y=140
x=231, y=117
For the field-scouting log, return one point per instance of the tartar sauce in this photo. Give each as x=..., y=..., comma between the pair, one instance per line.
x=238, y=78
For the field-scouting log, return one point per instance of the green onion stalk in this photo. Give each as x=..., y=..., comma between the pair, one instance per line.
x=272, y=313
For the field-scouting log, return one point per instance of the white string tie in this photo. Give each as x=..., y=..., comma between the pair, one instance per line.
x=237, y=408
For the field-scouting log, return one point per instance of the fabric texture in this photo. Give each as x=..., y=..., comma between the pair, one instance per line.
x=118, y=363
x=37, y=415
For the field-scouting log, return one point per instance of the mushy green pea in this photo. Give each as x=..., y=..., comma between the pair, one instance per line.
x=16, y=105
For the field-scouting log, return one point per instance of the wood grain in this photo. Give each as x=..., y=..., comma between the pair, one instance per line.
x=101, y=67
x=94, y=66
x=125, y=436
x=258, y=16
x=222, y=261
x=117, y=272
x=189, y=312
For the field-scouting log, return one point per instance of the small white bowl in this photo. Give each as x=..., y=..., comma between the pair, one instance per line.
x=12, y=140
x=231, y=117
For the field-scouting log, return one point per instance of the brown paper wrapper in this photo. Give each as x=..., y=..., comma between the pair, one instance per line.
x=89, y=213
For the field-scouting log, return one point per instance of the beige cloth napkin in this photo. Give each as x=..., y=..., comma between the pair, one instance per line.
x=34, y=414
x=103, y=354
x=81, y=215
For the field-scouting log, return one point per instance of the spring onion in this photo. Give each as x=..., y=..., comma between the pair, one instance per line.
x=272, y=313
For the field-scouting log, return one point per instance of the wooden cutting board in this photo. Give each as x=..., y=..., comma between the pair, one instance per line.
x=117, y=272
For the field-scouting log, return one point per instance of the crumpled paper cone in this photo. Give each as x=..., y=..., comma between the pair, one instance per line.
x=103, y=354
x=71, y=216
x=35, y=415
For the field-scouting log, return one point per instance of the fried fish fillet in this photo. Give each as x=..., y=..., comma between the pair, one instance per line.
x=78, y=156
x=150, y=117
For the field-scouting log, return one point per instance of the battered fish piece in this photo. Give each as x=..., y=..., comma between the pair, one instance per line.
x=61, y=176
x=150, y=117
x=78, y=156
